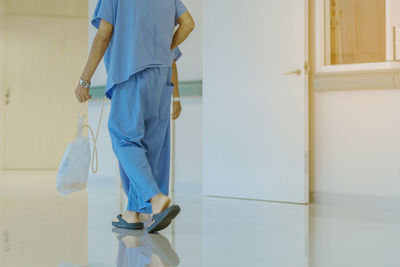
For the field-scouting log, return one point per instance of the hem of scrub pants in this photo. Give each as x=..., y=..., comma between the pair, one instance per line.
x=147, y=210
x=132, y=206
x=126, y=185
x=151, y=190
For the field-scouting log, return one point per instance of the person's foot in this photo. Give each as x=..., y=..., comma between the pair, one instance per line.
x=157, y=261
x=129, y=216
x=159, y=203
x=131, y=241
x=130, y=238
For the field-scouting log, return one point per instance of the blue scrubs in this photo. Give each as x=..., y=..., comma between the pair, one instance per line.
x=142, y=36
x=138, y=63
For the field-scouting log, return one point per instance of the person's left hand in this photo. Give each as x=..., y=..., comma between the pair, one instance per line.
x=176, y=109
x=82, y=93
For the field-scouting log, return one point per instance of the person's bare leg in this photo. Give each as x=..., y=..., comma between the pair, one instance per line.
x=159, y=203
x=129, y=216
x=144, y=217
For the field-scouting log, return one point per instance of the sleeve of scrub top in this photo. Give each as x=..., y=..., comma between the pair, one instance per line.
x=180, y=9
x=105, y=9
x=177, y=53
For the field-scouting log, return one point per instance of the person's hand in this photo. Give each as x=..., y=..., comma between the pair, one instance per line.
x=82, y=93
x=176, y=109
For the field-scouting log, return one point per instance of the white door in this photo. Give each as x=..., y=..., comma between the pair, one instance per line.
x=255, y=118
x=45, y=55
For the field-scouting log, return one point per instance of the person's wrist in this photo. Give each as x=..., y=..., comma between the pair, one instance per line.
x=84, y=82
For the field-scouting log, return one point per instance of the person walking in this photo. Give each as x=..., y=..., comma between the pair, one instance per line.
x=138, y=41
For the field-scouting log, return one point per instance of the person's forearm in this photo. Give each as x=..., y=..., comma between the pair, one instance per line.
x=181, y=34
x=174, y=79
x=97, y=51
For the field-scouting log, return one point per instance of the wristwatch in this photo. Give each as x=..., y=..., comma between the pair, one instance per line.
x=84, y=83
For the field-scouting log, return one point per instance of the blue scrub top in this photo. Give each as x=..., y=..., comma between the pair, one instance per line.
x=142, y=35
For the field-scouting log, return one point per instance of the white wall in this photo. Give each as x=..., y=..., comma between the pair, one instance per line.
x=356, y=142
x=188, y=126
x=190, y=64
x=188, y=144
x=100, y=76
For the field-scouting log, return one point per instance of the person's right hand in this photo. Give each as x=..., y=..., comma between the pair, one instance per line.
x=82, y=93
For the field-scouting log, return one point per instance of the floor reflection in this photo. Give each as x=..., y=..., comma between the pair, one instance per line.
x=38, y=228
x=140, y=249
x=353, y=236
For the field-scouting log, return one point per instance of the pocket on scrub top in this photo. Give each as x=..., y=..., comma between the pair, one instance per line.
x=165, y=106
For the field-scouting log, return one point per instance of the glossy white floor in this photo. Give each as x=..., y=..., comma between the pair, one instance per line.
x=38, y=228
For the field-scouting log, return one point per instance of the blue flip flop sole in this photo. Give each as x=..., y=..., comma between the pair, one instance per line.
x=163, y=219
x=124, y=224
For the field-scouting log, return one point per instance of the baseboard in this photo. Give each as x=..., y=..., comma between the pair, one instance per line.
x=389, y=203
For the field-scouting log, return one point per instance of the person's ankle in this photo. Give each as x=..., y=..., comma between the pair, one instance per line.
x=160, y=202
x=144, y=217
x=157, y=198
x=131, y=215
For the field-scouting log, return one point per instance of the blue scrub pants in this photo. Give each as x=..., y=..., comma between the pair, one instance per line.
x=139, y=127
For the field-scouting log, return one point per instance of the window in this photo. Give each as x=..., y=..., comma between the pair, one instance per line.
x=357, y=35
x=357, y=31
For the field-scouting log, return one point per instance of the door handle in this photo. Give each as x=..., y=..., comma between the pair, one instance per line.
x=296, y=72
x=7, y=96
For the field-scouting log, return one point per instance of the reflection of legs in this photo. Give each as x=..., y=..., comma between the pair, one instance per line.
x=134, y=249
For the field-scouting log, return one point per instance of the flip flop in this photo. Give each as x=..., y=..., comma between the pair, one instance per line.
x=124, y=224
x=163, y=219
